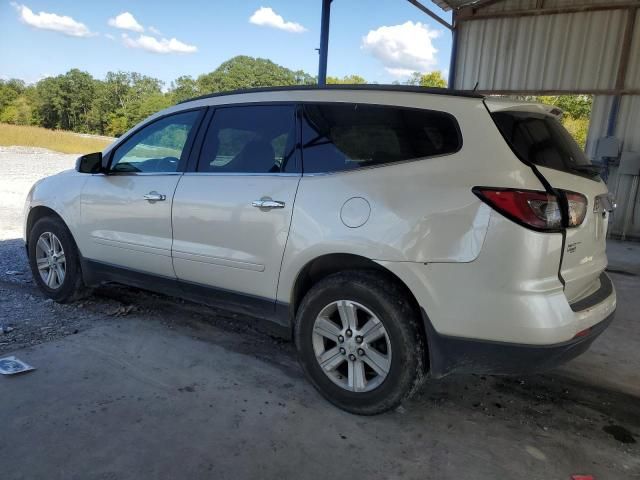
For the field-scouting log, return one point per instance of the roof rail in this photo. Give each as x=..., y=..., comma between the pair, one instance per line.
x=368, y=87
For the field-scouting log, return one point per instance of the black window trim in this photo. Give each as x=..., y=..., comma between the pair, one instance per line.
x=186, y=151
x=196, y=153
x=386, y=164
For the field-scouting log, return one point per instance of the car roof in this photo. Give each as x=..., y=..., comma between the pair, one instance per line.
x=367, y=87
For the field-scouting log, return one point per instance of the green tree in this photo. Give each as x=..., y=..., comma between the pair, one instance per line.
x=150, y=104
x=431, y=79
x=18, y=112
x=184, y=88
x=122, y=100
x=64, y=101
x=49, y=102
x=248, y=72
x=574, y=106
x=10, y=90
x=347, y=80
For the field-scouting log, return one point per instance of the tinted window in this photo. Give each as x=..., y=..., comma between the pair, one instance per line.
x=158, y=147
x=347, y=136
x=542, y=140
x=253, y=139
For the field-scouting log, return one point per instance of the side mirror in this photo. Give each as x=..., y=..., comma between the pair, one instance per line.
x=90, y=163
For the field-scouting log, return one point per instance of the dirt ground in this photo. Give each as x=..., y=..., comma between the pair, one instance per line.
x=133, y=385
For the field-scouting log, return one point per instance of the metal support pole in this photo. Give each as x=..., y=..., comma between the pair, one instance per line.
x=324, y=42
x=454, y=53
x=613, y=116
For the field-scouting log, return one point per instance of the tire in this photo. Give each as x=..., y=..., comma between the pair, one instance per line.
x=71, y=288
x=401, y=348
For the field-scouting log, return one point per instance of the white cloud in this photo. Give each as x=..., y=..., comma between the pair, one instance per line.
x=403, y=49
x=51, y=21
x=266, y=17
x=154, y=30
x=109, y=36
x=126, y=21
x=155, y=45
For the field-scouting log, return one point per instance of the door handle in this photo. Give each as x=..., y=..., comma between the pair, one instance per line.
x=267, y=204
x=154, y=197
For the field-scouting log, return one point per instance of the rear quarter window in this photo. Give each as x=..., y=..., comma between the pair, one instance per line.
x=543, y=141
x=339, y=137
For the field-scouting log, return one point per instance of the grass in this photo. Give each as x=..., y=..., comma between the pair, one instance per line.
x=57, y=140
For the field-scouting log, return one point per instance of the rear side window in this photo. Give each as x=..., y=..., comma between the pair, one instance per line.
x=543, y=141
x=250, y=139
x=340, y=137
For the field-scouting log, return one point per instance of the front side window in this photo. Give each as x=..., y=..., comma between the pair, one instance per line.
x=156, y=148
x=250, y=139
x=338, y=137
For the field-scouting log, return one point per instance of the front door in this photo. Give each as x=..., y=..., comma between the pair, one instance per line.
x=126, y=213
x=231, y=217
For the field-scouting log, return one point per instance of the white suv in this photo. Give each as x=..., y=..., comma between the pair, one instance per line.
x=393, y=232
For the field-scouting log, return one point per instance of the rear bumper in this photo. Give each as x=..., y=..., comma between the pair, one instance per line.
x=461, y=355
x=448, y=354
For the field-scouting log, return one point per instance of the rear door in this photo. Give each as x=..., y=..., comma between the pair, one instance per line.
x=539, y=138
x=231, y=216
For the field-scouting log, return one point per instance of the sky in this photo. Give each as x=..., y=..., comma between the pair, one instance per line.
x=381, y=40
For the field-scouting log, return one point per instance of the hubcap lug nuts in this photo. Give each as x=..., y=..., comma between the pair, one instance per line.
x=359, y=339
x=360, y=352
x=349, y=333
x=340, y=338
x=342, y=351
x=352, y=357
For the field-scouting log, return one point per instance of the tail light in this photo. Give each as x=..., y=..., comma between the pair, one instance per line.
x=577, y=208
x=534, y=209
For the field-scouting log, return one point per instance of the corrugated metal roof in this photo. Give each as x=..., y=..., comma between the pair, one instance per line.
x=577, y=51
x=512, y=5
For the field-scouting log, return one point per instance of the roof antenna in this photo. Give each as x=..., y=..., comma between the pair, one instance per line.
x=475, y=87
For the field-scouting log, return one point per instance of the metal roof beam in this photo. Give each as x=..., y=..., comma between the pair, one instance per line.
x=467, y=14
x=431, y=13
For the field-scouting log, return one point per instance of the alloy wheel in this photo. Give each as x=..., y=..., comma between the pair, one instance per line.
x=50, y=260
x=351, y=346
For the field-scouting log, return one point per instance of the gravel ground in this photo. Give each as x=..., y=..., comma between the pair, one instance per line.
x=21, y=167
x=28, y=318
x=577, y=419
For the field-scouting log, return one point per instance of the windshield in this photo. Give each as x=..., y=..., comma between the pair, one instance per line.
x=543, y=141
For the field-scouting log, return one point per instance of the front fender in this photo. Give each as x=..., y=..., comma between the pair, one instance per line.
x=60, y=193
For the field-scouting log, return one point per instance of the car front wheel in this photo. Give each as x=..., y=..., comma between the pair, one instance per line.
x=359, y=342
x=54, y=260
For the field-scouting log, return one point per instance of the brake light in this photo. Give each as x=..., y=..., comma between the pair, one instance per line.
x=534, y=209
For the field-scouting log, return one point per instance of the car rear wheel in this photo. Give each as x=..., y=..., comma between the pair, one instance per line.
x=54, y=260
x=359, y=342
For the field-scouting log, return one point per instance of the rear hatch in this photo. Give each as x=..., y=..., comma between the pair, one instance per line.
x=536, y=135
